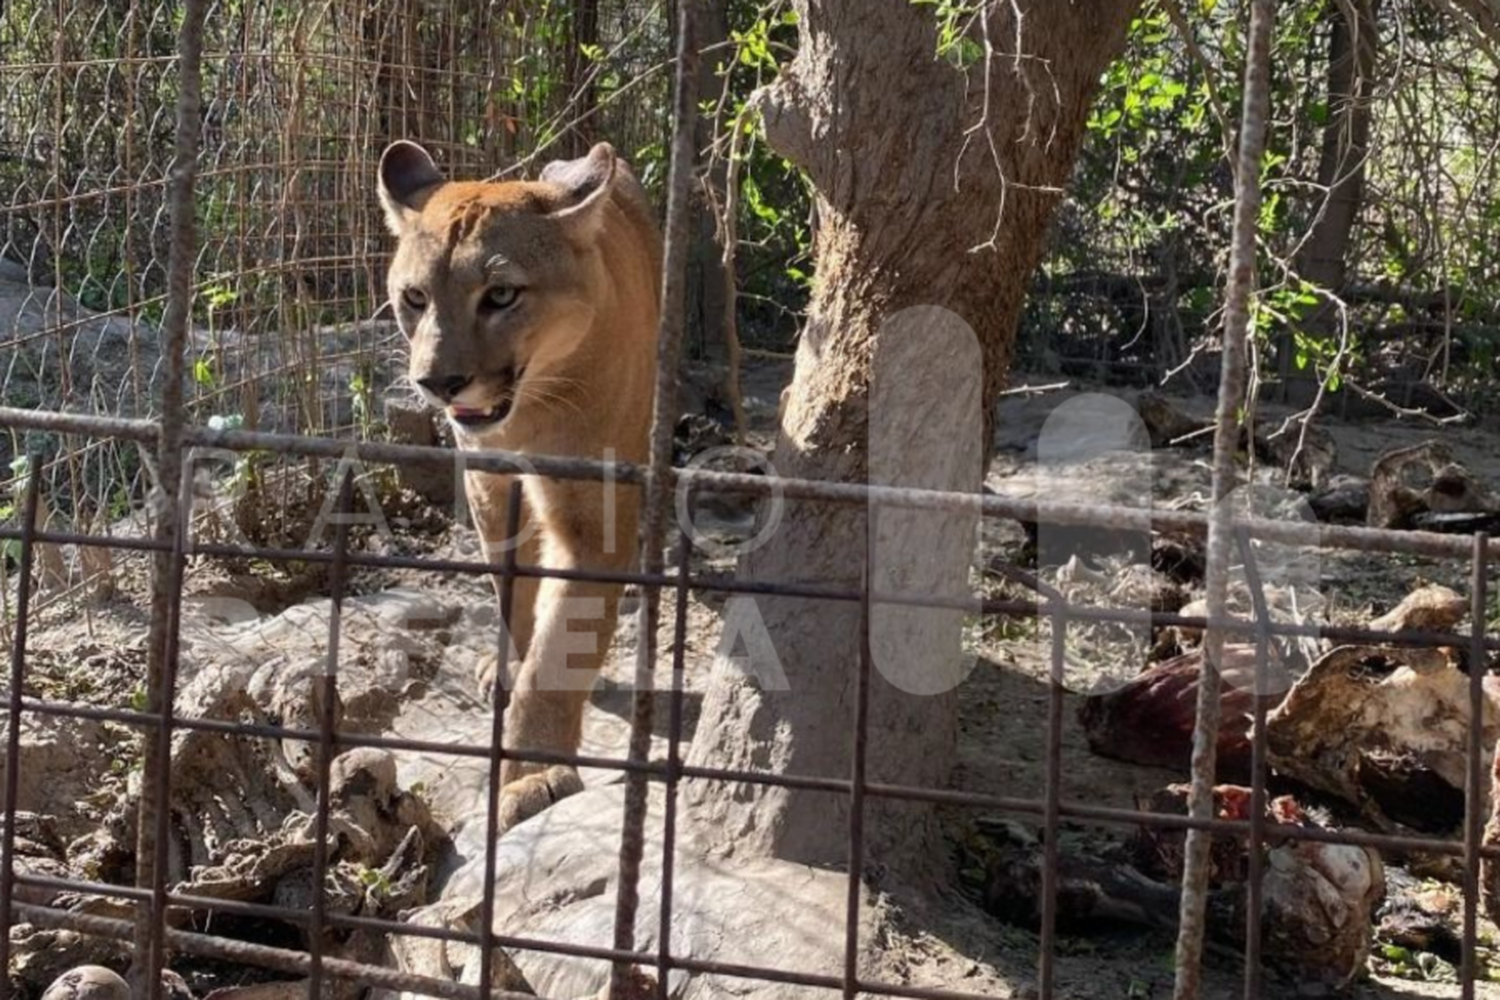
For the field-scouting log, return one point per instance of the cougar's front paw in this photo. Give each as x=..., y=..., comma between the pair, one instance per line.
x=486, y=673
x=525, y=797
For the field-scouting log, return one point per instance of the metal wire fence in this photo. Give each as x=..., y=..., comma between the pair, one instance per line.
x=288, y=271
x=158, y=297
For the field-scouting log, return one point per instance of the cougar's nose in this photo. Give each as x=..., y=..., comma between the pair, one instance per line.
x=445, y=387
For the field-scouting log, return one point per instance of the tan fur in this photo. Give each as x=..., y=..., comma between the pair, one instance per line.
x=583, y=330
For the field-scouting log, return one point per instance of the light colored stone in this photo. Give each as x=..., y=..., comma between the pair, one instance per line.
x=556, y=877
x=88, y=982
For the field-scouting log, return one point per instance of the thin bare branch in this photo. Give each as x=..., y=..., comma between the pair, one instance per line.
x=1233, y=378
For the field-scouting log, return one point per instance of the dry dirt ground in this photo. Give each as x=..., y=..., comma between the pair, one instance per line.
x=92, y=651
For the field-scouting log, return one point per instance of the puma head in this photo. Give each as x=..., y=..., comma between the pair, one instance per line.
x=494, y=282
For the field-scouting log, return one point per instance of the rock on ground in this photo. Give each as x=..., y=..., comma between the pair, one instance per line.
x=556, y=880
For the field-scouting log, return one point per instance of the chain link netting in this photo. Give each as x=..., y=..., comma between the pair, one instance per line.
x=287, y=332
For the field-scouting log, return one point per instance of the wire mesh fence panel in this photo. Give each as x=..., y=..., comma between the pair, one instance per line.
x=286, y=332
x=298, y=736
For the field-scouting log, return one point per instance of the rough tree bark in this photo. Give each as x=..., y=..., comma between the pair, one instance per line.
x=917, y=207
x=1353, y=47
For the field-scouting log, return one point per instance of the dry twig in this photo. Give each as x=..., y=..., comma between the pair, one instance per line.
x=1233, y=379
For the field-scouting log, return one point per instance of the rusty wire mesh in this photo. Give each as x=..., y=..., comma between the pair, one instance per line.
x=288, y=274
x=288, y=249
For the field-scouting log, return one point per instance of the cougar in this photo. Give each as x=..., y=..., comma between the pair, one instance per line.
x=531, y=312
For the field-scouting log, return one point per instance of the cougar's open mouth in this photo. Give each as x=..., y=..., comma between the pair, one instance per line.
x=474, y=417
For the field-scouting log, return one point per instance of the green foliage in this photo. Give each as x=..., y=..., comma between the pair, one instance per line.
x=203, y=373
x=289, y=232
x=1141, y=96
x=955, y=43
x=21, y=472
x=774, y=198
x=1150, y=203
x=373, y=881
x=753, y=46
x=219, y=293
x=362, y=396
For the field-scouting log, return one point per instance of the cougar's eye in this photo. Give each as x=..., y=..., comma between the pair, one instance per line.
x=414, y=298
x=501, y=297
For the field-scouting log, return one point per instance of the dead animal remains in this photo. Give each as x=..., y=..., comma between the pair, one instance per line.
x=1320, y=899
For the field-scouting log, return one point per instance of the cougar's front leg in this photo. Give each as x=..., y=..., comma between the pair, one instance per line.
x=575, y=619
x=489, y=501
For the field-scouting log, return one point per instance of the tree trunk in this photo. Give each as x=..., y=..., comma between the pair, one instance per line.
x=917, y=208
x=706, y=290
x=578, y=71
x=1324, y=257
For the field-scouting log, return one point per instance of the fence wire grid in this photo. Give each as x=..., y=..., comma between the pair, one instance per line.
x=254, y=263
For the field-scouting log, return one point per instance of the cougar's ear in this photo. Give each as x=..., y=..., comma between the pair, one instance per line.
x=584, y=186
x=407, y=174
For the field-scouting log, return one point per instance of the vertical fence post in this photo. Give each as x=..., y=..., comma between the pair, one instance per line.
x=674, y=762
x=13, y=714
x=1474, y=791
x=167, y=563
x=501, y=702
x=858, y=757
x=1255, y=876
x=326, y=692
x=659, y=483
x=1052, y=792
